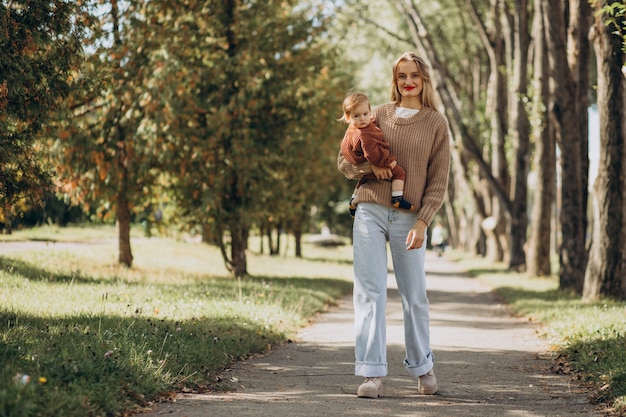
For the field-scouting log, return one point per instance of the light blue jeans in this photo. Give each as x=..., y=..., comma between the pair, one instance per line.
x=374, y=225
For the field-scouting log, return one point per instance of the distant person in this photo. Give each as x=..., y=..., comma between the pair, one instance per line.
x=438, y=239
x=418, y=135
x=363, y=141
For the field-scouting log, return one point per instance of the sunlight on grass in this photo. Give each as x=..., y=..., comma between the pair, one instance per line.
x=74, y=233
x=82, y=335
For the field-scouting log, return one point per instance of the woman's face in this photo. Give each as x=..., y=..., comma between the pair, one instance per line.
x=409, y=80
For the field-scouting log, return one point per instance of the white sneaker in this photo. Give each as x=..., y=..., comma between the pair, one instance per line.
x=371, y=388
x=427, y=383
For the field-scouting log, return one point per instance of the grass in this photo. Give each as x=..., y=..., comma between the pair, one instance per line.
x=81, y=336
x=590, y=337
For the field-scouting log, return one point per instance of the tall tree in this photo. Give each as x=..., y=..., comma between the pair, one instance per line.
x=539, y=263
x=606, y=274
x=497, y=110
x=568, y=114
x=41, y=48
x=238, y=101
x=108, y=160
x=519, y=132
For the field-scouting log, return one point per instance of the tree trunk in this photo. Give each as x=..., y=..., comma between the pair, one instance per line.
x=545, y=161
x=604, y=275
x=274, y=245
x=461, y=206
x=623, y=228
x=519, y=133
x=270, y=239
x=208, y=236
x=125, y=255
x=452, y=220
x=233, y=197
x=579, y=54
x=564, y=115
x=261, y=240
x=497, y=108
x=297, y=234
x=123, y=214
x=238, y=247
x=279, y=227
x=8, y=218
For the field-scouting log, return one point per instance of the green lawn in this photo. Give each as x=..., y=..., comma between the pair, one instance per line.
x=588, y=337
x=82, y=336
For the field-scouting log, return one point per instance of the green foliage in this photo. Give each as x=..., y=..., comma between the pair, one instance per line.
x=41, y=46
x=371, y=35
x=224, y=105
x=96, y=339
x=242, y=104
x=614, y=15
x=101, y=151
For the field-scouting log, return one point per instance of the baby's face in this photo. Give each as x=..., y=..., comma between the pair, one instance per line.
x=361, y=116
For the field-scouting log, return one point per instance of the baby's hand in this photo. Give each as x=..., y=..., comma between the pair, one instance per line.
x=382, y=173
x=393, y=164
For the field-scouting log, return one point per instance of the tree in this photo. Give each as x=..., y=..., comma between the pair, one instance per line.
x=241, y=93
x=41, y=48
x=545, y=158
x=519, y=132
x=567, y=108
x=497, y=110
x=106, y=157
x=606, y=271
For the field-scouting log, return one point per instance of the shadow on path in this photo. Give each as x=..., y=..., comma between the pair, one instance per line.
x=487, y=363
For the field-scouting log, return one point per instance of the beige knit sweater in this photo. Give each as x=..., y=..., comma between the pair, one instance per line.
x=422, y=147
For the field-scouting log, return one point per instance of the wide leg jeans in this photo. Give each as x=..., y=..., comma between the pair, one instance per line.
x=374, y=225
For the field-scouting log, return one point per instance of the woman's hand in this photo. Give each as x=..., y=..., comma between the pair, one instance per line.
x=415, y=238
x=382, y=173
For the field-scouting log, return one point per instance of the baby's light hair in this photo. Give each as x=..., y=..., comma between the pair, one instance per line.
x=351, y=101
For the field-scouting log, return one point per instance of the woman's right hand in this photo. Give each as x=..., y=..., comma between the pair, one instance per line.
x=382, y=173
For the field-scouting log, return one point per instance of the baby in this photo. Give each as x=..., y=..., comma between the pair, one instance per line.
x=363, y=141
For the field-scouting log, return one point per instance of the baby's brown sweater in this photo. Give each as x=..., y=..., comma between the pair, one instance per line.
x=421, y=145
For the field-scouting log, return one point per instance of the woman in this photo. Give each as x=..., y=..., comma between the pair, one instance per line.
x=418, y=135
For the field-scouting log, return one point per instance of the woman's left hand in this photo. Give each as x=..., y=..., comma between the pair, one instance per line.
x=415, y=238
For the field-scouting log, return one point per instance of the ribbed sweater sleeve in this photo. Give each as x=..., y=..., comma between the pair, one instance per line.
x=422, y=147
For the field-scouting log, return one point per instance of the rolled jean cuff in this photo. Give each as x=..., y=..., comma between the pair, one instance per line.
x=370, y=370
x=422, y=368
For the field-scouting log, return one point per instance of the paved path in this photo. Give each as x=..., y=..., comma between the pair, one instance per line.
x=487, y=364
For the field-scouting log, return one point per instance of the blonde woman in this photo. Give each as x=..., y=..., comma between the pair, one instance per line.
x=418, y=136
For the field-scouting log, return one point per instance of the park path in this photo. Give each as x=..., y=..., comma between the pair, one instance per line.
x=488, y=363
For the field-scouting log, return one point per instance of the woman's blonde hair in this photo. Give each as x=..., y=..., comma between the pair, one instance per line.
x=428, y=91
x=351, y=101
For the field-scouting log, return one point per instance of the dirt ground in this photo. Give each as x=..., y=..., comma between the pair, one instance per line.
x=488, y=363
